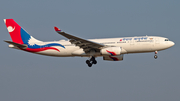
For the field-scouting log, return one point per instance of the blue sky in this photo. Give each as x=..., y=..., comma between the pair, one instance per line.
x=26, y=76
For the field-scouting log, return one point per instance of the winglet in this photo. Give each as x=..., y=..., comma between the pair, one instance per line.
x=57, y=29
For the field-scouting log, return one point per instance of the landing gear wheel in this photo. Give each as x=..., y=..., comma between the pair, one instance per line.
x=94, y=62
x=155, y=56
x=89, y=64
x=91, y=61
x=92, y=58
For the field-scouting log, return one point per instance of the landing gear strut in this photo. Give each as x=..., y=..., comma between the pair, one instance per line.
x=91, y=61
x=155, y=56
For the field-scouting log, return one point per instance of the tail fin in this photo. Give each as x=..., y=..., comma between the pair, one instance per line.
x=17, y=33
x=24, y=41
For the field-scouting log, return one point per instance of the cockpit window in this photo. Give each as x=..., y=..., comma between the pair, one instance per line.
x=166, y=39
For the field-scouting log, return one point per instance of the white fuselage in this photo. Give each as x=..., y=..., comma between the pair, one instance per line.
x=111, y=49
x=138, y=44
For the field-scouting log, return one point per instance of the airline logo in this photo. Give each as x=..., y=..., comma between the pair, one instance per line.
x=10, y=29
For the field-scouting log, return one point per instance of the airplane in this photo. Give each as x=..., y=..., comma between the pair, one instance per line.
x=111, y=49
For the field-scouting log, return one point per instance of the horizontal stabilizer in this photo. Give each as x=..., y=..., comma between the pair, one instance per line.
x=22, y=46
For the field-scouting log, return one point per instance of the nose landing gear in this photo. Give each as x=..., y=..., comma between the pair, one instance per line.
x=91, y=61
x=155, y=56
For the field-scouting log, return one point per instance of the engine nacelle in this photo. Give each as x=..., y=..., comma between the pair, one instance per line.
x=113, y=58
x=113, y=51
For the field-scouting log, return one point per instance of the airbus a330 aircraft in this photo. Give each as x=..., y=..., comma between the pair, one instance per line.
x=111, y=49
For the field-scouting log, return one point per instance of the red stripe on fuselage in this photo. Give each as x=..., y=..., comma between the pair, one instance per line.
x=40, y=49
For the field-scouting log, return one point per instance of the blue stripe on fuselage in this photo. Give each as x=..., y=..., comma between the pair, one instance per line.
x=26, y=37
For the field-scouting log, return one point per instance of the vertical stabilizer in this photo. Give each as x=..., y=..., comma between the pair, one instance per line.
x=17, y=33
x=24, y=41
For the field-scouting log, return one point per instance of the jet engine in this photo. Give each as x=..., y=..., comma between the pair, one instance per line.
x=113, y=51
x=113, y=58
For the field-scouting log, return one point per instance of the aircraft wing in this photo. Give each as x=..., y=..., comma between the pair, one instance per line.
x=86, y=45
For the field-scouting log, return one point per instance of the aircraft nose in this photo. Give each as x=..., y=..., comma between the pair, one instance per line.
x=172, y=43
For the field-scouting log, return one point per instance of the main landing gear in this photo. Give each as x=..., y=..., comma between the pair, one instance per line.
x=91, y=61
x=155, y=56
